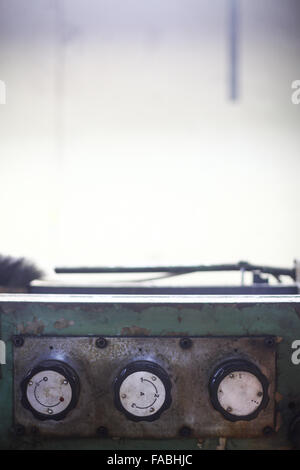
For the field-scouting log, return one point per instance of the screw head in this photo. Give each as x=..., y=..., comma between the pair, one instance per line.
x=18, y=341
x=185, y=431
x=267, y=431
x=269, y=341
x=19, y=430
x=101, y=343
x=185, y=343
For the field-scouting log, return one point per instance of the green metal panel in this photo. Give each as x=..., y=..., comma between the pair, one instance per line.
x=154, y=316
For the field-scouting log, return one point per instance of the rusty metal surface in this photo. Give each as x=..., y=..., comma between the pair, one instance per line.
x=188, y=369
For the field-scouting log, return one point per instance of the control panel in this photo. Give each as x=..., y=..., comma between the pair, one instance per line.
x=145, y=387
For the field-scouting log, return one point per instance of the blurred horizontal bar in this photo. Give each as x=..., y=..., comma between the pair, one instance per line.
x=47, y=288
x=241, y=266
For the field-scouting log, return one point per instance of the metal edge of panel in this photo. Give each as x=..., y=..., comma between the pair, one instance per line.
x=149, y=299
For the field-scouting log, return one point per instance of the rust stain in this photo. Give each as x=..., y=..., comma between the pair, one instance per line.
x=278, y=397
x=200, y=443
x=222, y=443
x=35, y=327
x=13, y=290
x=278, y=339
x=63, y=323
x=135, y=331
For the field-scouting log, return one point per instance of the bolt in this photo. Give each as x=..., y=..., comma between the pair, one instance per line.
x=231, y=376
x=259, y=394
x=18, y=341
x=30, y=382
x=185, y=431
x=153, y=378
x=49, y=411
x=151, y=410
x=229, y=409
x=185, y=343
x=65, y=382
x=45, y=379
x=19, y=430
x=269, y=341
x=267, y=431
x=123, y=395
x=101, y=343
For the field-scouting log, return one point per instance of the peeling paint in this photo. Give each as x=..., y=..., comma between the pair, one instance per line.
x=135, y=331
x=35, y=327
x=63, y=323
x=222, y=443
x=200, y=443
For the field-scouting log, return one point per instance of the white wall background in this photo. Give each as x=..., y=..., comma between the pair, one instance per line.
x=119, y=145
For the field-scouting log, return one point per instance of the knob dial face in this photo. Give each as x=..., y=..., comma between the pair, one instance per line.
x=239, y=390
x=240, y=393
x=50, y=390
x=142, y=391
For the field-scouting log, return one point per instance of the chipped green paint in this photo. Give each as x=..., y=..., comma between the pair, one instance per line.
x=142, y=318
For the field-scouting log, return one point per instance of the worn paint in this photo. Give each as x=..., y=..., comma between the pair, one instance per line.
x=135, y=331
x=277, y=316
x=35, y=327
x=63, y=323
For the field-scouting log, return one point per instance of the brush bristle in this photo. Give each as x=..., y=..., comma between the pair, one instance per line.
x=17, y=272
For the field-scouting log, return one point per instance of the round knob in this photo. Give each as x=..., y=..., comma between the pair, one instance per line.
x=142, y=391
x=238, y=389
x=50, y=390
